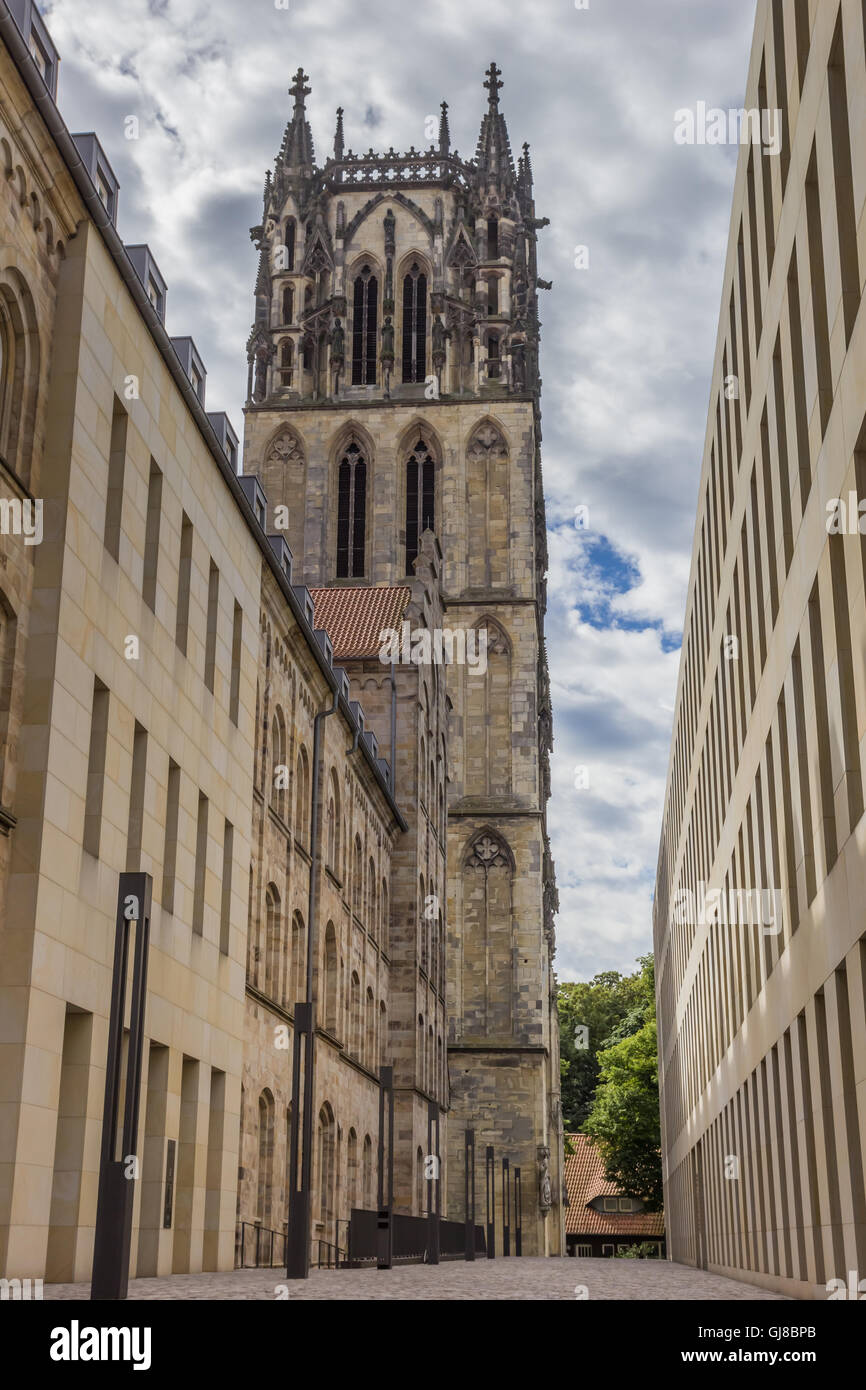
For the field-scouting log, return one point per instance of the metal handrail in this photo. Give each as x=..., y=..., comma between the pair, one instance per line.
x=269, y=1262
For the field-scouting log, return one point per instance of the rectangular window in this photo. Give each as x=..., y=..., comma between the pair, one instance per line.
x=820, y=326
x=237, y=640
x=843, y=179
x=136, y=799
x=151, y=535
x=226, y=904
x=96, y=768
x=169, y=858
x=584, y=1252
x=610, y=1203
x=184, y=578
x=798, y=368
x=213, y=592
x=200, y=865
x=625, y=1203
x=116, y=469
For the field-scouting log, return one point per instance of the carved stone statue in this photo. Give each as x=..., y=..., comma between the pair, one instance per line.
x=439, y=334
x=338, y=342
x=545, y=1194
x=388, y=340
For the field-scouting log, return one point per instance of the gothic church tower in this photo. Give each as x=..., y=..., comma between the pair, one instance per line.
x=393, y=390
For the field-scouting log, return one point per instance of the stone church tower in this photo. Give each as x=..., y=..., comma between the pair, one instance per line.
x=393, y=390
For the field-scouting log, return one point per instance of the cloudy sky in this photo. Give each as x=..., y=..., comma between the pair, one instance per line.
x=627, y=342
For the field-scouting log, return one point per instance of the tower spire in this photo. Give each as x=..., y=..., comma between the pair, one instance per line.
x=298, y=142
x=444, y=132
x=493, y=155
x=493, y=84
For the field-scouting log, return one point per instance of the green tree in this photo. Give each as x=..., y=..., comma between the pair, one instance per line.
x=624, y=1120
x=591, y=1014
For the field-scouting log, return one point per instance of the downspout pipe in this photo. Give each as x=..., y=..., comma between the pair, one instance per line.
x=393, y=768
x=300, y=1231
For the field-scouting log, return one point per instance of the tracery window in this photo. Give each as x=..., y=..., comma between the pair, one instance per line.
x=365, y=303
x=420, y=499
x=414, y=324
x=351, y=513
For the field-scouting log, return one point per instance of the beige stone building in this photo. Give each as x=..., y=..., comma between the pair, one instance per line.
x=171, y=636
x=759, y=929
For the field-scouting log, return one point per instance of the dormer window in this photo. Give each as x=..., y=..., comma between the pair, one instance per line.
x=39, y=56
x=611, y=1204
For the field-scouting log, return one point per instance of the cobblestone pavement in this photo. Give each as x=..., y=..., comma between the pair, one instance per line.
x=529, y=1279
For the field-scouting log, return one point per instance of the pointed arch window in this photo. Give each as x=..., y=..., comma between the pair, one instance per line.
x=420, y=499
x=287, y=362
x=290, y=245
x=364, y=307
x=351, y=513
x=288, y=304
x=492, y=238
x=414, y=324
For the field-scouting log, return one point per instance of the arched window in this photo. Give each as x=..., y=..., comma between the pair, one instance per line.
x=289, y=235
x=419, y=1182
x=272, y=941
x=352, y=1173
x=420, y=499
x=355, y=1014
x=326, y=1162
x=488, y=983
x=493, y=356
x=383, y=1034
x=369, y=1195
x=279, y=771
x=7, y=662
x=302, y=796
x=370, y=1029
x=371, y=899
x=19, y=373
x=289, y=304
x=299, y=960
x=493, y=296
x=492, y=238
x=386, y=924
x=287, y=362
x=358, y=878
x=334, y=824
x=264, y=1191
x=330, y=972
x=415, y=324
x=364, y=308
x=351, y=513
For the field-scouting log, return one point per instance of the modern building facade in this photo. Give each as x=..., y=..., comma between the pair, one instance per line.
x=169, y=649
x=759, y=927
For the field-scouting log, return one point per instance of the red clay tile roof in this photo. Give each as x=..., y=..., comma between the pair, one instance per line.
x=584, y=1180
x=354, y=617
